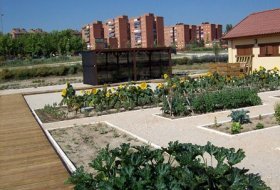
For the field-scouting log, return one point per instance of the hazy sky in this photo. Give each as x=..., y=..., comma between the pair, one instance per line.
x=61, y=14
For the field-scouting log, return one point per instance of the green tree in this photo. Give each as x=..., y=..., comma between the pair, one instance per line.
x=216, y=50
x=228, y=27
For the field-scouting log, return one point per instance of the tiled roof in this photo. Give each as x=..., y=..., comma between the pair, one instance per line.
x=259, y=23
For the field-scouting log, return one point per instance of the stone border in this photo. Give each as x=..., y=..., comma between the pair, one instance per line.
x=205, y=127
x=71, y=167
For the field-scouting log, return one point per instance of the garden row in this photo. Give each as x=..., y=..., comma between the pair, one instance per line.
x=201, y=59
x=44, y=71
x=177, y=96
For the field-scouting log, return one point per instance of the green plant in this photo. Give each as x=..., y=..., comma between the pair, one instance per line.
x=277, y=112
x=211, y=101
x=259, y=126
x=260, y=117
x=236, y=127
x=54, y=111
x=179, y=166
x=240, y=116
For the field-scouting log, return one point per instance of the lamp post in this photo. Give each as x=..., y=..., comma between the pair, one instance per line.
x=2, y=28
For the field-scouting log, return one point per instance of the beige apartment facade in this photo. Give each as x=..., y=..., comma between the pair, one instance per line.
x=250, y=38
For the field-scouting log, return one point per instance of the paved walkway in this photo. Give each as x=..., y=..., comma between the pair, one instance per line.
x=27, y=160
x=262, y=147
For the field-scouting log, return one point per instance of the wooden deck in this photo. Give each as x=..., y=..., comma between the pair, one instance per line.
x=27, y=159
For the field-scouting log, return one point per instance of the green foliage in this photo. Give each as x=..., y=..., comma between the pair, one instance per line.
x=236, y=127
x=54, y=111
x=27, y=73
x=179, y=166
x=240, y=116
x=63, y=42
x=224, y=99
x=277, y=112
x=259, y=126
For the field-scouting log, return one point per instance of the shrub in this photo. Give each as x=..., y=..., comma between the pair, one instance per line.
x=179, y=166
x=225, y=99
x=236, y=127
x=277, y=112
x=27, y=73
x=240, y=116
x=259, y=126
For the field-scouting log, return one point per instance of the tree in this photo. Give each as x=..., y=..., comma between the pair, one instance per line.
x=216, y=50
x=228, y=27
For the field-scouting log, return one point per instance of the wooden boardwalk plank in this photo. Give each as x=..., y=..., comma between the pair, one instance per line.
x=27, y=159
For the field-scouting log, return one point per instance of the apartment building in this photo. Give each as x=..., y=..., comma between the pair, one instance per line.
x=117, y=33
x=93, y=35
x=209, y=32
x=179, y=35
x=147, y=31
x=17, y=32
x=36, y=31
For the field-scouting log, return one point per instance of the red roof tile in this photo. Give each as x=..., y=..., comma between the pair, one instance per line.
x=259, y=23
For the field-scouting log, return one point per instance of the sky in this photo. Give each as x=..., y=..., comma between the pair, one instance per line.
x=62, y=14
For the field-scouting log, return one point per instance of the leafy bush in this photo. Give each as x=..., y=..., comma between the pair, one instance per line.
x=240, y=116
x=259, y=126
x=235, y=127
x=179, y=166
x=27, y=73
x=54, y=111
x=277, y=112
x=225, y=99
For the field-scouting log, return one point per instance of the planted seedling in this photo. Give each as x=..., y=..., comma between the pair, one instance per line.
x=240, y=116
x=259, y=126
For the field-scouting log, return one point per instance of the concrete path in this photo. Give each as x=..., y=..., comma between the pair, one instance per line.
x=262, y=147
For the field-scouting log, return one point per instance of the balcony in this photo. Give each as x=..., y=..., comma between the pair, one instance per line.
x=137, y=31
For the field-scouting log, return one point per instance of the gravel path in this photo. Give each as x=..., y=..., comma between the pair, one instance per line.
x=262, y=147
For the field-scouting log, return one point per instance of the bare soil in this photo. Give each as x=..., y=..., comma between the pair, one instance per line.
x=41, y=81
x=82, y=143
x=267, y=121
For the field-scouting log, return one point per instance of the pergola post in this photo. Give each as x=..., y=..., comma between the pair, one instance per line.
x=134, y=65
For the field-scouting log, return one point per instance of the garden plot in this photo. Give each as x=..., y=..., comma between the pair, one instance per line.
x=82, y=143
x=256, y=123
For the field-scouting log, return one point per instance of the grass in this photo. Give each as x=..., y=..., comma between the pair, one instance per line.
x=197, y=66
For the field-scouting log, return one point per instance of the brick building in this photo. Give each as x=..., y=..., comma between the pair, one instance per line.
x=117, y=33
x=209, y=32
x=17, y=32
x=93, y=35
x=179, y=35
x=147, y=31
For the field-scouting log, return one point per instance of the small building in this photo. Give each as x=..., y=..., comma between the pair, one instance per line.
x=106, y=66
x=258, y=36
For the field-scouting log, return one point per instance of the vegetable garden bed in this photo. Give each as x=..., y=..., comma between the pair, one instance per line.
x=257, y=123
x=82, y=143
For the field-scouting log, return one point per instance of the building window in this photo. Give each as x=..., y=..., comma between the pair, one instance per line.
x=244, y=50
x=268, y=50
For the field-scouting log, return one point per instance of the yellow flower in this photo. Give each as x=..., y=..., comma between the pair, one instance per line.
x=108, y=94
x=261, y=68
x=241, y=76
x=174, y=86
x=94, y=91
x=165, y=76
x=121, y=87
x=143, y=85
x=275, y=69
x=160, y=85
x=64, y=92
x=209, y=74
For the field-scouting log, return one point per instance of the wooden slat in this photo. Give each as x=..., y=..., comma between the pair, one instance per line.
x=27, y=159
